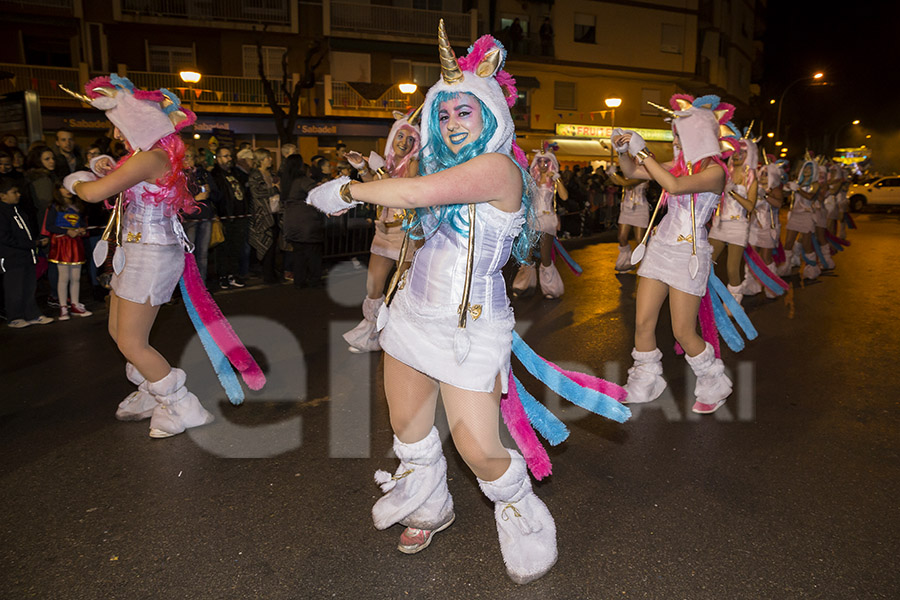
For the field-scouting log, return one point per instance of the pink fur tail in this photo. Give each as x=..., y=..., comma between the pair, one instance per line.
x=767, y=275
x=837, y=240
x=778, y=254
x=616, y=392
x=520, y=428
x=219, y=327
x=708, y=324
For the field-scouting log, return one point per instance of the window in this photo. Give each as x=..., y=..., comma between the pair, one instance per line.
x=564, y=95
x=170, y=59
x=401, y=70
x=425, y=75
x=351, y=66
x=585, y=28
x=271, y=57
x=650, y=95
x=672, y=37
x=47, y=51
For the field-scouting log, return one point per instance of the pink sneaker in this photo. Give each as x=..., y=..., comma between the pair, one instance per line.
x=79, y=310
x=705, y=409
x=414, y=540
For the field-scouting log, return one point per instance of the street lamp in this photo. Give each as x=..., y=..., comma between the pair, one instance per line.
x=837, y=136
x=815, y=76
x=409, y=89
x=190, y=78
x=612, y=103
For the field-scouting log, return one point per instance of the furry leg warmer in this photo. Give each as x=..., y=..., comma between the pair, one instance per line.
x=623, y=261
x=811, y=271
x=417, y=494
x=713, y=386
x=645, y=380
x=137, y=405
x=364, y=337
x=526, y=279
x=551, y=283
x=176, y=408
x=526, y=528
x=751, y=285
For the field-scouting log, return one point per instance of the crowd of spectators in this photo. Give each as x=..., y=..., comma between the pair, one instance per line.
x=252, y=223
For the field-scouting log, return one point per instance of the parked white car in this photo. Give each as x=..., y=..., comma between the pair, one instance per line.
x=880, y=192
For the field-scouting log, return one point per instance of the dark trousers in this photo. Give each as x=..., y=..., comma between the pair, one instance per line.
x=230, y=251
x=307, y=263
x=19, y=285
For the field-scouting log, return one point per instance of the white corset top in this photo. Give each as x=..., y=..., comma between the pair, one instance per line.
x=676, y=225
x=144, y=220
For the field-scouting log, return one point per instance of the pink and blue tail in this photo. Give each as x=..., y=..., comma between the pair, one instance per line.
x=221, y=343
x=522, y=413
x=838, y=243
x=558, y=247
x=721, y=298
x=763, y=274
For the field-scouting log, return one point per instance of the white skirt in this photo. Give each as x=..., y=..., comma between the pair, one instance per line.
x=800, y=221
x=388, y=240
x=668, y=263
x=730, y=231
x=425, y=343
x=548, y=222
x=636, y=215
x=151, y=271
x=764, y=237
x=820, y=218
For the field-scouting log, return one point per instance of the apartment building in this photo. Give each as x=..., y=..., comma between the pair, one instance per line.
x=633, y=51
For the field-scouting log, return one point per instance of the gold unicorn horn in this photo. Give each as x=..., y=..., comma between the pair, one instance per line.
x=449, y=67
x=663, y=109
x=414, y=117
x=749, y=129
x=75, y=95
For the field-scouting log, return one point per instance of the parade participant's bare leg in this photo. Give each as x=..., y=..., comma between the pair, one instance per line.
x=474, y=419
x=411, y=397
x=639, y=234
x=683, y=308
x=650, y=297
x=624, y=232
x=623, y=261
x=133, y=323
x=717, y=247
x=764, y=253
x=546, y=246
x=377, y=275
x=735, y=254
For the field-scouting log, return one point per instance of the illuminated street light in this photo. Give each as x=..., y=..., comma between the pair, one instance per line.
x=778, y=143
x=772, y=101
x=190, y=76
x=613, y=102
x=868, y=137
x=196, y=136
x=771, y=134
x=815, y=76
x=856, y=122
x=408, y=88
x=819, y=75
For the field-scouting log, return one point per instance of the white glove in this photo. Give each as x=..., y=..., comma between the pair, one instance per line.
x=101, y=165
x=793, y=186
x=375, y=161
x=356, y=160
x=72, y=178
x=636, y=144
x=615, y=133
x=327, y=197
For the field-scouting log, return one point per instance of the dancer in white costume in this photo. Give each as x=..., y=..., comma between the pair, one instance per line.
x=825, y=203
x=634, y=213
x=800, y=222
x=678, y=258
x=401, y=153
x=545, y=171
x=765, y=223
x=150, y=258
x=731, y=221
x=449, y=326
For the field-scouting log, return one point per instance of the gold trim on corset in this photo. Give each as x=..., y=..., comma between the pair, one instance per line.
x=132, y=237
x=474, y=310
x=685, y=238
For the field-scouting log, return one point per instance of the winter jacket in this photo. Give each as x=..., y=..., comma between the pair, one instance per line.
x=17, y=241
x=302, y=222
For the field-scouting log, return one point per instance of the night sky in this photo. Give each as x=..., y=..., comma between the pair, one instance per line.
x=857, y=46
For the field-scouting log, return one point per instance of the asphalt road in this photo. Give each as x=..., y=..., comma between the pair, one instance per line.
x=792, y=492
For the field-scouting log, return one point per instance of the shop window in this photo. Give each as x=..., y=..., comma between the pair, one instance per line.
x=564, y=95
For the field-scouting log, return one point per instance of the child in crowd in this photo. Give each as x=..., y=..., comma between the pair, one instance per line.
x=17, y=260
x=65, y=223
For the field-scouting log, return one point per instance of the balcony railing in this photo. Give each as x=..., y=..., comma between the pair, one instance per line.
x=344, y=97
x=43, y=80
x=279, y=15
x=68, y=5
x=213, y=89
x=349, y=19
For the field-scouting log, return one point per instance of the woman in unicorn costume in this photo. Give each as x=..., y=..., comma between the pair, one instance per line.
x=634, y=213
x=449, y=327
x=545, y=172
x=801, y=223
x=401, y=151
x=765, y=223
x=149, y=258
x=731, y=221
x=678, y=258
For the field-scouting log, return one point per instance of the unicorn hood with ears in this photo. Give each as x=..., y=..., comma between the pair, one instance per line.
x=548, y=151
x=701, y=125
x=397, y=166
x=143, y=117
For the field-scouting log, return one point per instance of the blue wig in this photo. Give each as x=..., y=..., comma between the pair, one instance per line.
x=437, y=157
x=807, y=181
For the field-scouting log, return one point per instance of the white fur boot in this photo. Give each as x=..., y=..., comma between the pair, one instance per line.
x=735, y=291
x=784, y=269
x=623, y=262
x=645, y=380
x=364, y=337
x=811, y=271
x=751, y=285
x=526, y=279
x=551, y=283
x=416, y=495
x=176, y=408
x=526, y=528
x=796, y=254
x=713, y=386
x=826, y=254
x=137, y=405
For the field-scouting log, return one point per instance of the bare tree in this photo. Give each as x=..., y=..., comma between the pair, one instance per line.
x=285, y=121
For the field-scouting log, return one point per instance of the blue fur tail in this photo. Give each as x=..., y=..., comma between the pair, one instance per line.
x=544, y=421
x=726, y=328
x=818, y=249
x=576, y=268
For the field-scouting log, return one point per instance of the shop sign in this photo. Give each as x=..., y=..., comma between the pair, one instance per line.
x=605, y=131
